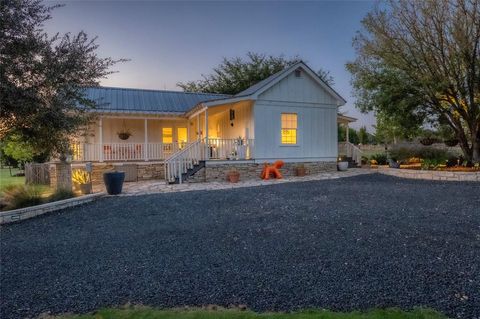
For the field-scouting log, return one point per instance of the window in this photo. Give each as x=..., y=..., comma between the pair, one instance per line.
x=167, y=135
x=289, y=128
x=182, y=136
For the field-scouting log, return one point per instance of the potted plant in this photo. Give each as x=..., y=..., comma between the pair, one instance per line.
x=233, y=176
x=82, y=179
x=114, y=182
x=300, y=170
x=342, y=164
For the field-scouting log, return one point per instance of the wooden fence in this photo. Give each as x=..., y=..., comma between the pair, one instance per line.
x=37, y=173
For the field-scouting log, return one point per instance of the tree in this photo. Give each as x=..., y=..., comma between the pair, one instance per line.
x=432, y=50
x=42, y=78
x=363, y=135
x=326, y=77
x=17, y=149
x=352, y=134
x=237, y=74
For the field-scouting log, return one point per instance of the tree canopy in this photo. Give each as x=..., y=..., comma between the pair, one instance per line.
x=233, y=75
x=418, y=62
x=237, y=74
x=42, y=77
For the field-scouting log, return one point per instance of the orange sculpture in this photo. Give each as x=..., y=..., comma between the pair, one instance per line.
x=272, y=170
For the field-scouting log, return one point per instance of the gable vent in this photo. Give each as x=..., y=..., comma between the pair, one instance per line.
x=298, y=73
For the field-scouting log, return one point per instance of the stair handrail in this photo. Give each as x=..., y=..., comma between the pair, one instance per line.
x=354, y=152
x=182, y=160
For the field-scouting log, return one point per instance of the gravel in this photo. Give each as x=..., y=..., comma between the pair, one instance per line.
x=353, y=243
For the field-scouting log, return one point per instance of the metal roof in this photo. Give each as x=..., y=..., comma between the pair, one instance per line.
x=110, y=99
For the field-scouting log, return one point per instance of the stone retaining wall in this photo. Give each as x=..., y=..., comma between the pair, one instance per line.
x=431, y=175
x=249, y=170
x=15, y=215
x=145, y=171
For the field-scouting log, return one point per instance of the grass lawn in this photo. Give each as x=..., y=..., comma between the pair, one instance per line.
x=6, y=179
x=150, y=313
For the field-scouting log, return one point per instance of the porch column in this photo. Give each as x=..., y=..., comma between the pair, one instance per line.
x=145, y=145
x=207, y=155
x=346, y=134
x=198, y=126
x=100, y=135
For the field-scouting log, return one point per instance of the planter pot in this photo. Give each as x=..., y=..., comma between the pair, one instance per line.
x=114, y=182
x=300, y=171
x=85, y=188
x=241, y=151
x=342, y=166
x=233, y=177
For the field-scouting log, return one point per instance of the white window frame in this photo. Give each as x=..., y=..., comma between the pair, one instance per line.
x=289, y=128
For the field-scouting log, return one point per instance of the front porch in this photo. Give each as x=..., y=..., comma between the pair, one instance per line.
x=225, y=132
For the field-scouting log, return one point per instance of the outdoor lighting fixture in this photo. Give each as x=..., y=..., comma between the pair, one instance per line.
x=232, y=116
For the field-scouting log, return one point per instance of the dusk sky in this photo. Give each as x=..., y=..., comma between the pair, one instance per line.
x=170, y=42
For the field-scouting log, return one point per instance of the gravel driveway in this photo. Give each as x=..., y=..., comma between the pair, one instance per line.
x=352, y=243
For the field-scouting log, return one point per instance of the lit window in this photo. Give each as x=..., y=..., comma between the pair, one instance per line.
x=289, y=128
x=182, y=136
x=167, y=135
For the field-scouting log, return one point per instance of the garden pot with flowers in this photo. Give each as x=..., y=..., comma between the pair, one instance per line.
x=82, y=179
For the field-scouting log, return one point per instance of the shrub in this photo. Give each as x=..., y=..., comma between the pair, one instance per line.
x=60, y=194
x=380, y=158
x=432, y=164
x=19, y=196
x=404, y=153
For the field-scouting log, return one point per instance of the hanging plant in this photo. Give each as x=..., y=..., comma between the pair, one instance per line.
x=124, y=133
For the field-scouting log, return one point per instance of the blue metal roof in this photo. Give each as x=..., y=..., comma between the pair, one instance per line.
x=110, y=99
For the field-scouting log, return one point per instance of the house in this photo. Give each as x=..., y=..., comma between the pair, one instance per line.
x=292, y=115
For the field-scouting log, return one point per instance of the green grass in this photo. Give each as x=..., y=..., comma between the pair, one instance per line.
x=6, y=179
x=150, y=313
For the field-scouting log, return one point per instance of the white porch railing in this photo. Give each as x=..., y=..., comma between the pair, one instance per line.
x=184, y=159
x=124, y=151
x=350, y=150
x=238, y=149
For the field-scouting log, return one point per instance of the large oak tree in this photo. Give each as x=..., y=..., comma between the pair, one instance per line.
x=420, y=61
x=42, y=77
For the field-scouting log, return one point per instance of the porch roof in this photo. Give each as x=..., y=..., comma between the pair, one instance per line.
x=127, y=100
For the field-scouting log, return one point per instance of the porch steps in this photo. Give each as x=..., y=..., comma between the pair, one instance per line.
x=352, y=163
x=190, y=172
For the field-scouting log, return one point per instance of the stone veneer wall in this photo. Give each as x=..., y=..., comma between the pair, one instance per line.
x=431, y=175
x=249, y=171
x=145, y=171
x=60, y=175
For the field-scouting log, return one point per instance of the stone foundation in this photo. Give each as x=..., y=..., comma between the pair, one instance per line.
x=250, y=171
x=145, y=171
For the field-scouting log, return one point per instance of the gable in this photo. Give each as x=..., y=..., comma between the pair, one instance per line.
x=303, y=89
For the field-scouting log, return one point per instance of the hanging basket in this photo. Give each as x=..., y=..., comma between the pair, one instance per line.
x=124, y=135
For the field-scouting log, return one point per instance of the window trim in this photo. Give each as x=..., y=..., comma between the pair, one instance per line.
x=296, y=144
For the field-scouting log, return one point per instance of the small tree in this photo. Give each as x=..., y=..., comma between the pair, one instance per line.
x=363, y=135
x=42, y=78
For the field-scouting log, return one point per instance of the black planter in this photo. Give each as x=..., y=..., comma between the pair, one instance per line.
x=114, y=182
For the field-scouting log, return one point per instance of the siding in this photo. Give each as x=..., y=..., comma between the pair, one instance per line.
x=303, y=89
x=317, y=121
